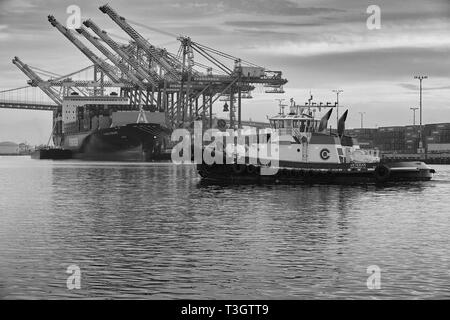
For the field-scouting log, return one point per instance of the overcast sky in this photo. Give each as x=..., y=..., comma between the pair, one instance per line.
x=319, y=45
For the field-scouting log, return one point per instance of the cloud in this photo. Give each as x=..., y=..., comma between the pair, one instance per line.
x=340, y=39
x=280, y=7
x=3, y=34
x=415, y=88
x=17, y=6
x=198, y=30
x=267, y=34
x=269, y=24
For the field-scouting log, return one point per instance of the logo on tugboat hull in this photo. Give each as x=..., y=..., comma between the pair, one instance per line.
x=325, y=154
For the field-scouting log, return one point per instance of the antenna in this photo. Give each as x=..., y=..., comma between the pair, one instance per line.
x=337, y=91
x=281, y=105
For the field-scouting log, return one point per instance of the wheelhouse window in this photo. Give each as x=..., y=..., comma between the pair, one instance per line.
x=316, y=125
x=302, y=125
x=308, y=126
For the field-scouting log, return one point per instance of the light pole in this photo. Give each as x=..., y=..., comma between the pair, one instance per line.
x=414, y=115
x=420, y=116
x=362, y=118
x=337, y=91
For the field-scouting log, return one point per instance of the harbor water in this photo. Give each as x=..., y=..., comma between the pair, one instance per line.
x=155, y=231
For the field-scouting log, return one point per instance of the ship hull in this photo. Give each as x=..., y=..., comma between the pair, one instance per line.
x=303, y=173
x=131, y=142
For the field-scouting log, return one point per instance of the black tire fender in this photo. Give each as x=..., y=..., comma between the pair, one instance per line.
x=251, y=169
x=382, y=173
x=239, y=168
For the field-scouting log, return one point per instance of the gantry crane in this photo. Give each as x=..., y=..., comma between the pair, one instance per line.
x=162, y=59
x=36, y=80
x=150, y=75
x=107, y=69
x=134, y=78
x=174, y=83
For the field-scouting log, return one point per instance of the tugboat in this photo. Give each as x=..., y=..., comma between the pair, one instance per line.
x=307, y=152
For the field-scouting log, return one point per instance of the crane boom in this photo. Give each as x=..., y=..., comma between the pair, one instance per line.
x=120, y=64
x=139, y=39
x=106, y=68
x=38, y=81
x=151, y=76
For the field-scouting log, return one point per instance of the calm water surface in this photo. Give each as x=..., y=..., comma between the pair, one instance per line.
x=154, y=231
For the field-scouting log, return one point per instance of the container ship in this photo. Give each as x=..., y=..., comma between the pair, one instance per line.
x=108, y=128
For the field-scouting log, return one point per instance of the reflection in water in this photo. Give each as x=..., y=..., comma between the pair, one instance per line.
x=157, y=231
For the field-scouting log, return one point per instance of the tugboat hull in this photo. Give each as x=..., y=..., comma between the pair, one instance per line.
x=343, y=174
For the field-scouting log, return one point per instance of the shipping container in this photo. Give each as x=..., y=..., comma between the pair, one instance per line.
x=396, y=139
x=438, y=147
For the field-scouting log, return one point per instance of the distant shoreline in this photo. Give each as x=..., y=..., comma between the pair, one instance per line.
x=14, y=154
